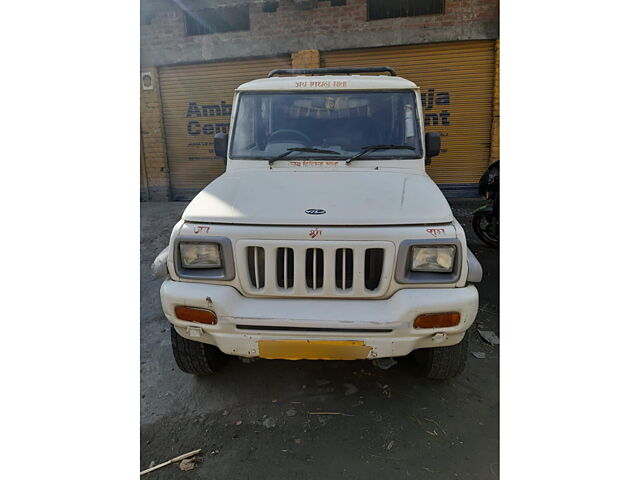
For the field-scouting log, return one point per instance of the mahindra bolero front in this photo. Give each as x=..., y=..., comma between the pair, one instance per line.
x=325, y=238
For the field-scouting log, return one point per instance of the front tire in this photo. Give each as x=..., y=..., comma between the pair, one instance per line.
x=440, y=363
x=195, y=357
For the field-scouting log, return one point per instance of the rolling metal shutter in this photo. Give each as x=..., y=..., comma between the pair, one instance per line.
x=196, y=104
x=456, y=82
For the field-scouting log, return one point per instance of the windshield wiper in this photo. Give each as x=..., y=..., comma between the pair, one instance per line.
x=373, y=148
x=302, y=149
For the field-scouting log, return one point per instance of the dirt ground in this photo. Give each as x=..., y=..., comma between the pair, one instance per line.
x=255, y=420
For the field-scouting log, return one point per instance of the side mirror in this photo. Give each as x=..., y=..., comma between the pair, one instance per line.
x=220, y=145
x=432, y=145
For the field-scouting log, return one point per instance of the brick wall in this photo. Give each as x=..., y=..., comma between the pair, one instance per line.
x=163, y=36
x=154, y=172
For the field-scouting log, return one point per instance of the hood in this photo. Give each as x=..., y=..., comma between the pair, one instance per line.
x=276, y=197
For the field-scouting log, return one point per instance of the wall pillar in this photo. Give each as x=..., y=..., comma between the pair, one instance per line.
x=495, y=121
x=154, y=170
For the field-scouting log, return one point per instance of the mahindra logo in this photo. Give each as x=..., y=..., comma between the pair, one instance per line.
x=315, y=211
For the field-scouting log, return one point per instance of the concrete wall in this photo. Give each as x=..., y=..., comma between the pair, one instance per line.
x=163, y=39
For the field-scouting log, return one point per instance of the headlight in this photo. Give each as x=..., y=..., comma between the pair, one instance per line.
x=433, y=259
x=200, y=255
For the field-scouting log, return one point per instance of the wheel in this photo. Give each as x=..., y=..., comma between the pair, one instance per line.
x=196, y=357
x=487, y=229
x=443, y=362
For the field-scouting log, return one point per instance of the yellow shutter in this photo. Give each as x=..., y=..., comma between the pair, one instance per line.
x=461, y=73
x=196, y=101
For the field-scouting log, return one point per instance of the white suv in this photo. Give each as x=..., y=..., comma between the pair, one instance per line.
x=324, y=238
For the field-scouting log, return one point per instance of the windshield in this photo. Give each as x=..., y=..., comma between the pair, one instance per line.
x=268, y=124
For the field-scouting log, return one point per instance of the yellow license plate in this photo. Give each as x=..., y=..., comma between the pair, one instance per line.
x=313, y=349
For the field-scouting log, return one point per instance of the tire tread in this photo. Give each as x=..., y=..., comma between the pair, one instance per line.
x=195, y=357
x=440, y=363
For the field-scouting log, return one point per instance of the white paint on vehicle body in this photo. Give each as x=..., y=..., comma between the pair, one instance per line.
x=281, y=196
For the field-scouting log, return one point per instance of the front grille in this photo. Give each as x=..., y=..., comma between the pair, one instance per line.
x=303, y=268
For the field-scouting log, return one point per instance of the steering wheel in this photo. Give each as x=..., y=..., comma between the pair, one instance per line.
x=284, y=132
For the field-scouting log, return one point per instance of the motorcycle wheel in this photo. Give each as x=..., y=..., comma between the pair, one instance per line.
x=486, y=228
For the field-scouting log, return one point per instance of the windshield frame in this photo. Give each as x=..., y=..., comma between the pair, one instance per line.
x=417, y=154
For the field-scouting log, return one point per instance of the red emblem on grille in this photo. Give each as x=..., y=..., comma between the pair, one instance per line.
x=314, y=232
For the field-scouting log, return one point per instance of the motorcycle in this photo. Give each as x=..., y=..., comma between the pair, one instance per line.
x=486, y=219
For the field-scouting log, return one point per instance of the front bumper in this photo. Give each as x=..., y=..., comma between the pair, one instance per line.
x=384, y=325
